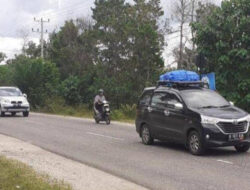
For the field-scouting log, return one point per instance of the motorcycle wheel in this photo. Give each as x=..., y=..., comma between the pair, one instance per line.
x=107, y=120
x=96, y=120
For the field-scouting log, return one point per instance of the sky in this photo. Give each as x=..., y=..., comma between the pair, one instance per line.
x=17, y=21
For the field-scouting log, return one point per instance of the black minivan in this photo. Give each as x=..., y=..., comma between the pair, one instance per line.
x=187, y=113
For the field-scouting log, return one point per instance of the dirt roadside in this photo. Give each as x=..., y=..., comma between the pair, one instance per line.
x=80, y=176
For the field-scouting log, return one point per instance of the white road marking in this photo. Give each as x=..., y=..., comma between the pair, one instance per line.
x=226, y=162
x=100, y=135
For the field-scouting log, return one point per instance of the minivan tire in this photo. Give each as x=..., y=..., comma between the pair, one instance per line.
x=242, y=147
x=146, y=135
x=195, y=144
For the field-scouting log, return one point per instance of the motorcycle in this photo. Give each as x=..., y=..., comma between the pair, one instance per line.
x=105, y=115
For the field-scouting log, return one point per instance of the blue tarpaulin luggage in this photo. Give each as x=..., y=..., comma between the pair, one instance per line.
x=180, y=75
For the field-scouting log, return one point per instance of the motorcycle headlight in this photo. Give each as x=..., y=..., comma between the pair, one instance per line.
x=208, y=120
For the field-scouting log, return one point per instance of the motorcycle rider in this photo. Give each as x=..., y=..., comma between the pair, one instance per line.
x=99, y=98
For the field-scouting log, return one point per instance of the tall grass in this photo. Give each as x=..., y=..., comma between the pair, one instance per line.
x=15, y=175
x=125, y=113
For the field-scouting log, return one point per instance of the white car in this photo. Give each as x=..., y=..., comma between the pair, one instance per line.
x=12, y=100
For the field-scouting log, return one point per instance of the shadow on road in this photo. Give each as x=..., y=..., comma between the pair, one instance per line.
x=227, y=151
x=9, y=115
x=170, y=145
x=213, y=152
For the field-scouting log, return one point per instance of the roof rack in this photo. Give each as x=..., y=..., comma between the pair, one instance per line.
x=181, y=84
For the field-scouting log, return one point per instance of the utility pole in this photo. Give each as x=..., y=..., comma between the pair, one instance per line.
x=41, y=31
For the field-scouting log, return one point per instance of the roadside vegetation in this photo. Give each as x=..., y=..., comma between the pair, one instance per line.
x=15, y=175
x=58, y=106
x=120, y=50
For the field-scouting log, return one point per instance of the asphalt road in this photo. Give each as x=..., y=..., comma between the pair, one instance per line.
x=117, y=149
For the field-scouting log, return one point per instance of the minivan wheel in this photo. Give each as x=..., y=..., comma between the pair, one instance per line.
x=146, y=136
x=195, y=144
x=242, y=147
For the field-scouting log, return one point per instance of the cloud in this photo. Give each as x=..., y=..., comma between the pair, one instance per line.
x=17, y=15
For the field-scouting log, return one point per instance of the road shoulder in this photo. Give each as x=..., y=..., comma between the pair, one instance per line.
x=80, y=176
x=78, y=118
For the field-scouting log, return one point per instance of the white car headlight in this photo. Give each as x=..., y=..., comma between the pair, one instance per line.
x=6, y=101
x=208, y=120
x=25, y=101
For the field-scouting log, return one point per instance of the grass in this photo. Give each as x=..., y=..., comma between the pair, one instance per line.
x=15, y=175
x=125, y=114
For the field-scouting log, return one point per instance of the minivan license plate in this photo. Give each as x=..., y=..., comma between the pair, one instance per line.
x=236, y=136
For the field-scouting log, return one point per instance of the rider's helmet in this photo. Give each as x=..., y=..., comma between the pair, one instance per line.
x=101, y=91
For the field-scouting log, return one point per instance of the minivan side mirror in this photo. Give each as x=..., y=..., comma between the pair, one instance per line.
x=231, y=103
x=25, y=95
x=178, y=106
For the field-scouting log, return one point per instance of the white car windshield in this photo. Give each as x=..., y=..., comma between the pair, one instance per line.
x=10, y=92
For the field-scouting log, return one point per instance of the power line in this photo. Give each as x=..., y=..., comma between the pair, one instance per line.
x=69, y=8
x=41, y=31
x=67, y=14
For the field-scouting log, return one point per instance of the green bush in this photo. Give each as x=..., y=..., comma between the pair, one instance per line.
x=16, y=175
x=54, y=105
x=57, y=105
x=224, y=41
x=5, y=75
x=70, y=90
x=36, y=78
x=128, y=110
x=125, y=113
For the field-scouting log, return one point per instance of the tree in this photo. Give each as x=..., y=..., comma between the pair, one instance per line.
x=110, y=30
x=24, y=34
x=129, y=47
x=32, y=50
x=203, y=11
x=70, y=90
x=224, y=41
x=188, y=57
x=6, y=75
x=181, y=12
x=2, y=56
x=63, y=48
x=72, y=48
x=35, y=77
x=148, y=40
